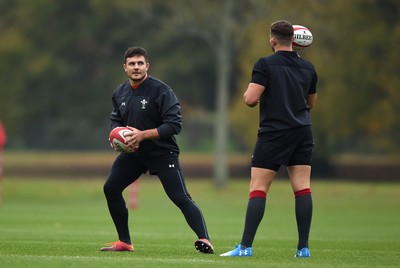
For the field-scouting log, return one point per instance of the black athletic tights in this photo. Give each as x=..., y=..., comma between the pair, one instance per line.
x=126, y=170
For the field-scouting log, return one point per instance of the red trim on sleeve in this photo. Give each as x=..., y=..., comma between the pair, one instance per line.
x=302, y=192
x=258, y=193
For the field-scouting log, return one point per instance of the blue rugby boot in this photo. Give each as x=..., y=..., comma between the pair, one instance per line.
x=239, y=251
x=303, y=253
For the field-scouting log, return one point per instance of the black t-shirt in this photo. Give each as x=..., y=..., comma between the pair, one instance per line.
x=152, y=104
x=288, y=80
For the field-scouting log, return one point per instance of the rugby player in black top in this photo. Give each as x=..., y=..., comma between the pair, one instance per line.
x=150, y=108
x=284, y=85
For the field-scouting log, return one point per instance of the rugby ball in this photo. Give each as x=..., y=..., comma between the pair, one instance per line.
x=117, y=140
x=302, y=37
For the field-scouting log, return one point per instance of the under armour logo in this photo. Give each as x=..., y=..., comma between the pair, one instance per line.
x=144, y=102
x=243, y=252
x=123, y=103
x=171, y=165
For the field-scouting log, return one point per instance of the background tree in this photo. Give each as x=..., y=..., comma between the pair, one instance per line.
x=61, y=60
x=221, y=24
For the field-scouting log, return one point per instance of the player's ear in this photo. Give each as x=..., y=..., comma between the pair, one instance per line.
x=124, y=66
x=147, y=66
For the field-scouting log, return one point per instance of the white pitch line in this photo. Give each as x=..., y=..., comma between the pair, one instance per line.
x=149, y=259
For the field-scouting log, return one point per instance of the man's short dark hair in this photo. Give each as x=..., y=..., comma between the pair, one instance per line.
x=283, y=31
x=136, y=51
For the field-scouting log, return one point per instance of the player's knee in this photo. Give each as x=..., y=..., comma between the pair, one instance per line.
x=182, y=201
x=110, y=191
x=106, y=189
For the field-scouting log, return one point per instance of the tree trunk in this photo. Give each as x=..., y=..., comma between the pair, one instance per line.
x=221, y=120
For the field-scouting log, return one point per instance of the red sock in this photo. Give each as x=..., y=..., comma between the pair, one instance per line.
x=302, y=192
x=258, y=193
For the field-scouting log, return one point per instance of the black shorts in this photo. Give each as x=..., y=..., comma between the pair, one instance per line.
x=131, y=165
x=286, y=147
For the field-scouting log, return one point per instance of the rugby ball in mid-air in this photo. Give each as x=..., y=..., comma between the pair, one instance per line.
x=117, y=140
x=302, y=37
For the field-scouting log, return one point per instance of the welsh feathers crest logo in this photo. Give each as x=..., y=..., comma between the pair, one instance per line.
x=144, y=102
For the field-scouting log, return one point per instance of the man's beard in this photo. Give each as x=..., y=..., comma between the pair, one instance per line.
x=137, y=79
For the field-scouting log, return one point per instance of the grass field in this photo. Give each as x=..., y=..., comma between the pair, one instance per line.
x=63, y=223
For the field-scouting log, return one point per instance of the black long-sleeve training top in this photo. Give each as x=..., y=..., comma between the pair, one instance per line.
x=152, y=104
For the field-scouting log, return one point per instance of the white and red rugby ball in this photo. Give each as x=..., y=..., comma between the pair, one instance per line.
x=302, y=37
x=117, y=140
